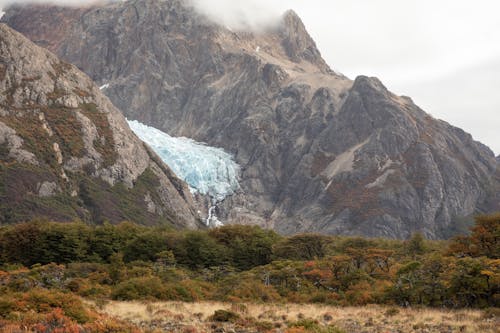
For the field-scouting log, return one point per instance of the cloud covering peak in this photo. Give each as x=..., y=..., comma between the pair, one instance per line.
x=242, y=15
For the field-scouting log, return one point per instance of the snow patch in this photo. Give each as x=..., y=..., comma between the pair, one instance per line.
x=105, y=86
x=207, y=170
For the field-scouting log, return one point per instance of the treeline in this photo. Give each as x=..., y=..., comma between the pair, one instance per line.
x=245, y=263
x=241, y=247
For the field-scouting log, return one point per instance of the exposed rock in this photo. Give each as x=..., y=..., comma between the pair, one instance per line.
x=319, y=152
x=64, y=142
x=12, y=146
x=47, y=189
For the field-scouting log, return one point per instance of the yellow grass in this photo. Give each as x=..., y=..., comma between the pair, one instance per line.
x=183, y=317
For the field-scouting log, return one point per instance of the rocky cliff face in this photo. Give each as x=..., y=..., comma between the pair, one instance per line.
x=67, y=153
x=319, y=152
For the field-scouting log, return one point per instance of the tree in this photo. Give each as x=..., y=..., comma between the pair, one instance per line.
x=468, y=285
x=108, y=239
x=164, y=260
x=64, y=242
x=415, y=246
x=484, y=239
x=408, y=281
x=249, y=246
x=117, y=269
x=301, y=247
x=21, y=243
x=198, y=250
x=145, y=246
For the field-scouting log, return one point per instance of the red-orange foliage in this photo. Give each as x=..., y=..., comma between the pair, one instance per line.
x=483, y=241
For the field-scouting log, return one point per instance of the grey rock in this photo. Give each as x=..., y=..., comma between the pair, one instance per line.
x=14, y=144
x=319, y=152
x=47, y=189
x=61, y=135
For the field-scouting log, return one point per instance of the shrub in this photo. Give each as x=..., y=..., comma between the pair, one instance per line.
x=43, y=300
x=491, y=313
x=311, y=325
x=391, y=312
x=224, y=316
x=140, y=288
x=6, y=307
x=40, y=301
x=308, y=324
x=264, y=326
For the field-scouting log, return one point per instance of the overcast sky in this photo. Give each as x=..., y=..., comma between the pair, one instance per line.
x=445, y=54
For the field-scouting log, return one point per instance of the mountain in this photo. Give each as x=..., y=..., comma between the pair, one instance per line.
x=67, y=153
x=318, y=152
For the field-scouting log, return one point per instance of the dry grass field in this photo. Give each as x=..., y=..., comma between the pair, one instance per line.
x=196, y=317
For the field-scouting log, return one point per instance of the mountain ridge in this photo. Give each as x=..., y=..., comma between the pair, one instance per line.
x=68, y=153
x=319, y=152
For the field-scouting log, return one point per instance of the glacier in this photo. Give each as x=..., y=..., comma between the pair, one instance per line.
x=207, y=170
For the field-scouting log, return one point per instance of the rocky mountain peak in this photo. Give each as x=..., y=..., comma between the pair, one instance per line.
x=67, y=153
x=298, y=43
x=319, y=152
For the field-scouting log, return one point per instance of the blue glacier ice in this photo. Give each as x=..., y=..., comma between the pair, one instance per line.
x=207, y=170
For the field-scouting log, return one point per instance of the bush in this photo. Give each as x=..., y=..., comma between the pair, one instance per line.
x=43, y=301
x=6, y=307
x=491, y=313
x=310, y=325
x=140, y=288
x=264, y=326
x=224, y=316
x=391, y=312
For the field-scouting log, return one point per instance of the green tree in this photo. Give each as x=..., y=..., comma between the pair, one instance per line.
x=64, y=242
x=117, y=268
x=145, y=246
x=301, y=247
x=249, y=246
x=415, y=246
x=196, y=249
x=468, y=285
x=108, y=239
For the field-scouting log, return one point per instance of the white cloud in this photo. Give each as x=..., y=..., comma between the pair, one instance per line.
x=241, y=15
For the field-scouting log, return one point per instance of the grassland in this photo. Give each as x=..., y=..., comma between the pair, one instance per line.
x=197, y=317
